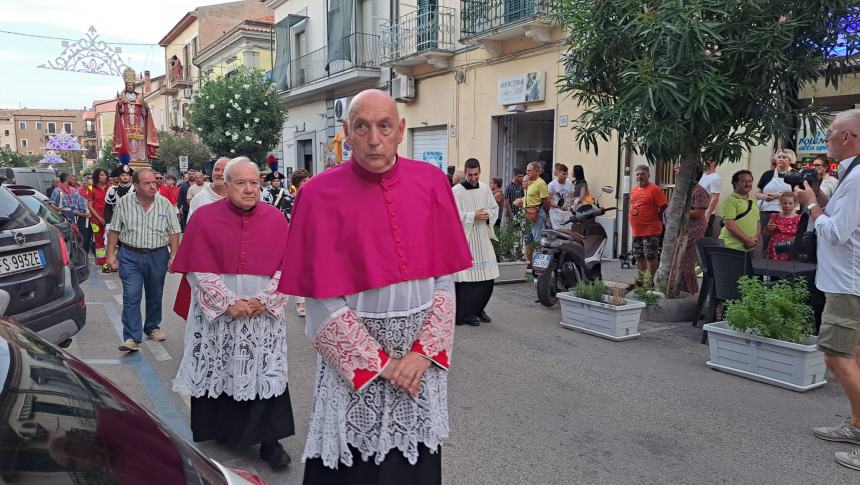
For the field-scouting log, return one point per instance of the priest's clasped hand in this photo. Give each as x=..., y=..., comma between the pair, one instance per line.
x=405, y=374
x=246, y=308
x=482, y=215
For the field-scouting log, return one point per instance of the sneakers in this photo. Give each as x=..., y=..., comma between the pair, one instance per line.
x=851, y=459
x=129, y=346
x=844, y=432
x=157, y=335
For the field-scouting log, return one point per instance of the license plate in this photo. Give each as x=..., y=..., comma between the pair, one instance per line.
x=19, y=262
x=542, y=261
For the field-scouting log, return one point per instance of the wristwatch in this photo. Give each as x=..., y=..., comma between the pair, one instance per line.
x=811, y=206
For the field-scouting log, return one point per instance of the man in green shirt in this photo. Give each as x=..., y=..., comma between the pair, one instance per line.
x=740, y=215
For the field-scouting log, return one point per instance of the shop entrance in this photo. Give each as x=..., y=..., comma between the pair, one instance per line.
x=521, y=138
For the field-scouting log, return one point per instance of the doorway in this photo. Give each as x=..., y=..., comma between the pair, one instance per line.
x=521, y=138
x=305, y=155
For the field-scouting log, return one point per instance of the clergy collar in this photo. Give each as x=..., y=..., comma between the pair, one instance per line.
x=466, y=185
x=389, y=177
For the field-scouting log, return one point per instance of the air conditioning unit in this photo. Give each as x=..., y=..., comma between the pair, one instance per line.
x=403, y=88
x=341, y=109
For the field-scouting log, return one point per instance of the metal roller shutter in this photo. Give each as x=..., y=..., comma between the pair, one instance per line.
x=431, y=145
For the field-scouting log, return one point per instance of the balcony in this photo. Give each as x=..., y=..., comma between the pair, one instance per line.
x=88, y=134
x=420, y=37
x=488, y=22
x=355, y=52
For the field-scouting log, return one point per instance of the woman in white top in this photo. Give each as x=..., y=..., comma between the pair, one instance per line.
x=771, y=186
x=822, y=165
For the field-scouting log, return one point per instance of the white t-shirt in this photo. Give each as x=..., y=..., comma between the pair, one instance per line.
x=712, y=182
x=557, y=191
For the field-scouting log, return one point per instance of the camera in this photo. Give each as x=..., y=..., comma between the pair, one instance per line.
x=808, y=175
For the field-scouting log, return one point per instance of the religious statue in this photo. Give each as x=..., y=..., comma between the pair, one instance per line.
x=134, y=136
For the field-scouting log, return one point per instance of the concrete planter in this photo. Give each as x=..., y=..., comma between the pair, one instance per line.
x=799, y=367
x=613, y=322
x=512, y=272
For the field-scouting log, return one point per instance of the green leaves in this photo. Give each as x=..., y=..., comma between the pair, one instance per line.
x=779, y=311
x=239, y=114
x=719, y=75
x=171, y=147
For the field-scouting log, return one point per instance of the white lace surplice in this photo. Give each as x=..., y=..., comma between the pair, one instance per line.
x=245, y=358
x=354, y=336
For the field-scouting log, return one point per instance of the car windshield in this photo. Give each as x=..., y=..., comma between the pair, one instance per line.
x=64, y=423
x=42, y=209
x=14, y=214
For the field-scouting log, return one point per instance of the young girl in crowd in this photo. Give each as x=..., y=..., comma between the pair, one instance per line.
x=783, y=226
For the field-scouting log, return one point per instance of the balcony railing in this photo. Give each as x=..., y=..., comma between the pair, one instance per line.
x=418, y=32
x=90, y=134
x=478, y=17
x=353, y=51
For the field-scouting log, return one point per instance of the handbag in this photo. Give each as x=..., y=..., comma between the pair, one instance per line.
x=532, y=213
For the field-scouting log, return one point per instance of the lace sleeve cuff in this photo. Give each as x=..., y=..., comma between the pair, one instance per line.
x=436, y=338
x=213, y=296
x=274, y=300
x=345, y=344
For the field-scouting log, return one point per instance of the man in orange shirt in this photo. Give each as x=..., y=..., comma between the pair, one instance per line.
x=647, y=204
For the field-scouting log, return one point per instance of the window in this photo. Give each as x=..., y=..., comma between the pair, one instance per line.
x=5, y=132
x=22, y=125
x=67, y=128
x=38, y=125
x=8, y=147
x=29, y=152
x=24, y=142
x=52, y=127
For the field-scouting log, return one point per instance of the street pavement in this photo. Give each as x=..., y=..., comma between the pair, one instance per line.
x=532, y=402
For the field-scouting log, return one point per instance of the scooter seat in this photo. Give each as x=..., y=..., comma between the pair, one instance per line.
x=570, y=234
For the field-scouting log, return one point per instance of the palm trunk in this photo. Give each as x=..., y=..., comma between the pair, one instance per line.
x=679, y=209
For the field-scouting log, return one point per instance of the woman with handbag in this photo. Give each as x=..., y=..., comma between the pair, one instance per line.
x=770, y=187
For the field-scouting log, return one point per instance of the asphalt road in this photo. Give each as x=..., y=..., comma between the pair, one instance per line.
x=532, y=402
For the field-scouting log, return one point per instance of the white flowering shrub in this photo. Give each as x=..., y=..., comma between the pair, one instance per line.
x=238, y=115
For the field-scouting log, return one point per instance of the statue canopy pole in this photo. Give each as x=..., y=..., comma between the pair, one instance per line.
x=135, y=141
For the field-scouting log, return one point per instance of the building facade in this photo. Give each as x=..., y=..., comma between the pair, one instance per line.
x=248, y=44
x=7, y=130
x=326, y=52
x=33, y=127
x=197, y=30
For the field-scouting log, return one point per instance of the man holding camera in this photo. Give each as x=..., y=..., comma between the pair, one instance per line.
x=838, y=275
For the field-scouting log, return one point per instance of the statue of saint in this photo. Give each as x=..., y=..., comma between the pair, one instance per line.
x=134, y=136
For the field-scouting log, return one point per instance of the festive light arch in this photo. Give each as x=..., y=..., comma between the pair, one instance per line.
x=89, y=55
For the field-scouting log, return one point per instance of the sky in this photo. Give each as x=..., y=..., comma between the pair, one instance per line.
x=24, y=85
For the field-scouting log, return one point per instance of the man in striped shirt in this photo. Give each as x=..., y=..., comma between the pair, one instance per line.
x=145, y=224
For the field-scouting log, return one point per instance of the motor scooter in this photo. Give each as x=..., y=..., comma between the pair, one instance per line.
x=569, y=256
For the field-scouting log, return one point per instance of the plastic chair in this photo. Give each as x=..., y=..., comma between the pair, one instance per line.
x=707, y=279
x=727, y=267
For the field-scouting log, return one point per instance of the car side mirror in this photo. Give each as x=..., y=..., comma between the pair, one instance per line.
x=4, y=301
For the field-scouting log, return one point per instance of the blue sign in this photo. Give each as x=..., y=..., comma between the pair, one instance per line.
x=435, y=158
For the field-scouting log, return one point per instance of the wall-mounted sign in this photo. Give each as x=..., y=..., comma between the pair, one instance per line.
x=811, y=142
x=522, y=88
x=435, y=158
x=562, y=121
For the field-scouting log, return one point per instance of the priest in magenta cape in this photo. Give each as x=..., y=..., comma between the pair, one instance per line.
x=234, y=365
x=373, y=245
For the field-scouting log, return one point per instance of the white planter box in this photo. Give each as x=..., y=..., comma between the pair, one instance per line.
x=612, y=322
x=799, y=367
x=512, y=272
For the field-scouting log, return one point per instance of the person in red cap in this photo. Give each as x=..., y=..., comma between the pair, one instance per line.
x=373, y=244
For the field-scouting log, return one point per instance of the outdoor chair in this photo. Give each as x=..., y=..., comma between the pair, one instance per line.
x=707, y=278
x=727, y=267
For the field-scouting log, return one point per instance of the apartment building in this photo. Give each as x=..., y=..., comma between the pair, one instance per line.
x=7, y=130
x=33, y=127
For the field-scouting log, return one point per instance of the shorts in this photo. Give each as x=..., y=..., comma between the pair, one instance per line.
x=646, y=247
x=537, y=227
x=839, y=334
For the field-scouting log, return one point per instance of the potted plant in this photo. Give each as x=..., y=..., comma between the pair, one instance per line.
x=589, y=309
x=509, y=250
x=766, y=336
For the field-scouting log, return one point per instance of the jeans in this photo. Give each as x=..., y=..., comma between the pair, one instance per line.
x=138, y=273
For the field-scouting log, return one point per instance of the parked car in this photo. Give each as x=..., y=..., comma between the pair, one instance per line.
x=68, y=424
x=36, y=271
x=41, y=206
x=39, y=178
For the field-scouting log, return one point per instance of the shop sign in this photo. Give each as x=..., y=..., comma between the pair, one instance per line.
x=811, y=142
x=522, y=88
